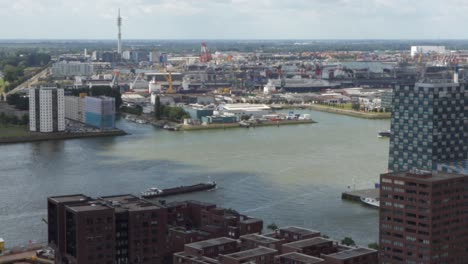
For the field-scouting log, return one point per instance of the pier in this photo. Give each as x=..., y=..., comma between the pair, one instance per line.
x=358, y=194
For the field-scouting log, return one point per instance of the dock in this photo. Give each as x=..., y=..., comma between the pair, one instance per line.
x=357, y=194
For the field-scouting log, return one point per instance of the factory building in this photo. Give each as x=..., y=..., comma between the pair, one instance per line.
x=240, y=110
x=73, y=68
x=46, y=110
x=415, y=50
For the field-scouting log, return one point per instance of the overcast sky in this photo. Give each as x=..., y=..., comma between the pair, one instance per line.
x=235, y=19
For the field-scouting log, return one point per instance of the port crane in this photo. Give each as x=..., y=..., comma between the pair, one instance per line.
x=132, y=86
x=168, y=77
x=115, y=79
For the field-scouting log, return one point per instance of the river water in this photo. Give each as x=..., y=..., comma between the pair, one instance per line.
x=290, y=175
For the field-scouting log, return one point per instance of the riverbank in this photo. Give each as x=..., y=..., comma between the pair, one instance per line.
x=340, y=111
x=11, y=135
x=236, y=125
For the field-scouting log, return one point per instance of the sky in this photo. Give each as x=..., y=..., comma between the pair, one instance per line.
x=234, y=19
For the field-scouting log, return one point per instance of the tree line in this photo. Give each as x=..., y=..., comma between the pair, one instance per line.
x=18, y=101
x=171, y=113
x=6, y=119
x=14, y=65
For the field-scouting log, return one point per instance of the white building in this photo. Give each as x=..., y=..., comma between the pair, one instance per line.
x=239, y=110
x=46, y=110
x=269, y=88
x=75, y=108
x=164, y=100
x=72, y=68
x=415, y=50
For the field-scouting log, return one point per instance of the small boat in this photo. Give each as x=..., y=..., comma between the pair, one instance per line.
x=387, y=133
x=370, y=201
x=155, y=192
x=171, y=128
x=244, y=124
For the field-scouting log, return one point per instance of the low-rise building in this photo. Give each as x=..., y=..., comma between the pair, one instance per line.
x=293, y=233
x=354, y=255
x=297, y=258
x=241, y=110
x=260, y=255
x=312, y=246
x=252, y=241
x=212, y=248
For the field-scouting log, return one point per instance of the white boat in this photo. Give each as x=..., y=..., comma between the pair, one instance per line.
x=371, y=201
x=152, y=191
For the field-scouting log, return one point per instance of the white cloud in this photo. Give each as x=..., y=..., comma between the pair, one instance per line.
x=233, y=18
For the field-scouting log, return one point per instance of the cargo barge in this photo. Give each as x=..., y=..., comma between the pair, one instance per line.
x=155, y=192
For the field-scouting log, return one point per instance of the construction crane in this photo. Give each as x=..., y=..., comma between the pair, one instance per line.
x=168, y=77
x=169, y=81
x=115, y=79
x=132, y=86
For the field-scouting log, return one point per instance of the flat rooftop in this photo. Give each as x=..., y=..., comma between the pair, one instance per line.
x=299, y=230
x=129, y=202
x=301, y=258
x=259, y=238
x=251, y=221
x=247, y=254
x=351, y=253
x=211, y=243
x=69, y=198
x=309, y=242
x=425, y=176
x=88, y=207
x=198, y=259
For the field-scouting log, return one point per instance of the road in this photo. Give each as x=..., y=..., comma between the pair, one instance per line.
x=29, y=82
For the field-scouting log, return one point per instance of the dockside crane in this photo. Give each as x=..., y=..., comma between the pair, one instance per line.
x=168, y=77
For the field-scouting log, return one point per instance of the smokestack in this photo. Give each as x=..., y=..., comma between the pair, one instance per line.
x=119, y=42
x=455, y=75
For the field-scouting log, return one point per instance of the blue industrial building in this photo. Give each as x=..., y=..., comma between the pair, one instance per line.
x=198, y=113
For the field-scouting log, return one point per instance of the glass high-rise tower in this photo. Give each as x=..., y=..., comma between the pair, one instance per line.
x=429, y=126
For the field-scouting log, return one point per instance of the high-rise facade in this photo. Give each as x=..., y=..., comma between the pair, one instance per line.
x=46, y=110
x=100, y=112
x=72, y=68
x=429, y=126
x=423, y=218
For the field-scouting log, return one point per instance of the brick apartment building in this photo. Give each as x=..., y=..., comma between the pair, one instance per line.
x=125, y=229
x=275, y=248
x=423, y=218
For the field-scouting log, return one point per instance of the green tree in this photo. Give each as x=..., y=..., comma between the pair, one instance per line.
x=348, y=241
x=24, y=119
x=373, y=246
x=272, y=227
x=157, y=108
x=12, y=73
x=3, y=118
